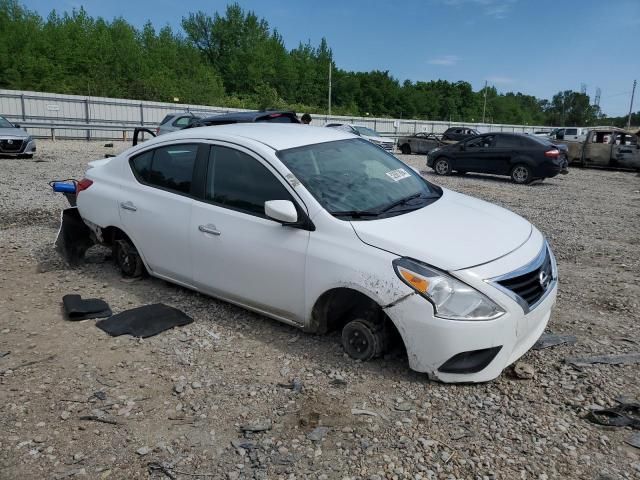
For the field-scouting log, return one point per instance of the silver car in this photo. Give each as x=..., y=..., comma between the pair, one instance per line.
x=15, y=141
x=175, y=121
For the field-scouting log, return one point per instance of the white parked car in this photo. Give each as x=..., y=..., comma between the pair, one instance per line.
x=576, y=134
x=322, y=230
x=366, y=133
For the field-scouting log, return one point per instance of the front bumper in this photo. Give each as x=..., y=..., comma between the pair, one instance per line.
x=25, y=148
x=434, y=344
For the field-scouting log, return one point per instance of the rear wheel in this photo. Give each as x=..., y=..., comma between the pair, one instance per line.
x=521, y=174
x=127, y=258
x=406, y=149
x=364, y=340
x=442, y=166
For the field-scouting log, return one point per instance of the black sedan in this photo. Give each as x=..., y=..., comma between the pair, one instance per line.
x=522, y=157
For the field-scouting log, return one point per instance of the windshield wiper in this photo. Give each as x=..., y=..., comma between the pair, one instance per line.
x=402, y=201
x=355, y=213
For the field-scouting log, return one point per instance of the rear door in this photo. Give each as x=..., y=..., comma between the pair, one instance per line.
x=626, y=151
x=237, y=252
x=504, y=149
x=155, y=207
x=598, y=148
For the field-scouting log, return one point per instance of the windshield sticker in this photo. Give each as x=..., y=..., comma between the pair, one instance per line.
x=293, y=181
x=397, y=175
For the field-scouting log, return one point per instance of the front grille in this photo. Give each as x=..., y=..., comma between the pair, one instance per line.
x=14, y=146
x=533, y=284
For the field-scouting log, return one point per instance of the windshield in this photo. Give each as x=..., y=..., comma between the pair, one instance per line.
x=366, y=131
x=356, y=179
x=4, y=123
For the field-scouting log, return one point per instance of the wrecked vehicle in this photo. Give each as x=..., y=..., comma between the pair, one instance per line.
x=421, y=142
x=323, y=230
x=456, y=134
x=609, y=147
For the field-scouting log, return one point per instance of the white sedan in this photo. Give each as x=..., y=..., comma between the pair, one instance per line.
x=320, y=229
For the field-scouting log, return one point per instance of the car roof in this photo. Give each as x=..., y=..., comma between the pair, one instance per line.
x=246, y=116
x=278, y=136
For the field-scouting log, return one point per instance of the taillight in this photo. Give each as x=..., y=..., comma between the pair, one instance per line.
x=83, y=185
x=553, y=153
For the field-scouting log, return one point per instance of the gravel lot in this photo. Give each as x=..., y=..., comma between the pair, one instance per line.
x=179, y=401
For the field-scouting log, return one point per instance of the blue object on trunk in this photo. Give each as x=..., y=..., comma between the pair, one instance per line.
x=64, y=187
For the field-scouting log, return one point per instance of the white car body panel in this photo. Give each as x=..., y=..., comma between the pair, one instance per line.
x=469, y=235
x=282, y=271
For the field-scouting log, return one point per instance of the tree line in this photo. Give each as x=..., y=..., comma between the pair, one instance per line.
x=236, y=59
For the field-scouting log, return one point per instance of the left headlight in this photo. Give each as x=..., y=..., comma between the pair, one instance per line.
x=451, y=298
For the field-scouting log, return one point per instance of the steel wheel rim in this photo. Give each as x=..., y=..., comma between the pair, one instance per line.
x=442, y=166
x=520, y=174
x=358, y=341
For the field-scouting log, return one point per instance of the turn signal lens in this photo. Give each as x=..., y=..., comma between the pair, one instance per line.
x=419, y=283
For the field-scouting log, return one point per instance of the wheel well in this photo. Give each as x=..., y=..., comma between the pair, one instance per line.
x=111, y=234
x=336, y=307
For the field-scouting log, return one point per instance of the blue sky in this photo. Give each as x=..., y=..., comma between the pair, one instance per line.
x=537, y=47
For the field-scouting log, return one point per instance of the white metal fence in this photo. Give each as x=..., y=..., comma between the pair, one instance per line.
x=75, y=116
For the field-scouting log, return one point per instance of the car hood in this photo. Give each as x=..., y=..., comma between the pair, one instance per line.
x=453, y=233
x=378, y=139
x=13, y=133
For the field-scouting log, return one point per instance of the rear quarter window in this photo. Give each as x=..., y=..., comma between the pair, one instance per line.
x=166, y=119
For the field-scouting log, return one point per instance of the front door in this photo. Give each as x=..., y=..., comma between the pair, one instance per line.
x=155, y=208
x=475, y=155
x=237, y=252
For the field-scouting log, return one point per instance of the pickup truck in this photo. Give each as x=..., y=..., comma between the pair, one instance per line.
x=606, y=147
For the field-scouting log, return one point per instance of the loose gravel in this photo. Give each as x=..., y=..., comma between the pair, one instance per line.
x=238, y=396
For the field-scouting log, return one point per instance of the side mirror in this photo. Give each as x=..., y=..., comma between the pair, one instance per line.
x=16, y=125
x=281, y=210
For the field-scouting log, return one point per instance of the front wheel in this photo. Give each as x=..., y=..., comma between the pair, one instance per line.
x=442, y=166
x=363, y=340
x=521, y=174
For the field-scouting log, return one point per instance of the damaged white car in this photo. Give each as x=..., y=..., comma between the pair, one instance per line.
x=323, y=230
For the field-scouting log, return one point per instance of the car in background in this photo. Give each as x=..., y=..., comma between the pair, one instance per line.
x=522, y=157
x=606, y=147
x=324, y=231
x=545, y=132
x=576, y=134
x=263, y=116
x=455, y=134
x=14, y=141
x=421, y=142
x=366, y=133
x=175, y=121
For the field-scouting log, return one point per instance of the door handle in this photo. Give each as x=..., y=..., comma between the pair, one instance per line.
x=128, y=206
x=209, y=229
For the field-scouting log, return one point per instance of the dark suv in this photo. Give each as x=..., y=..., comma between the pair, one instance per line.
x=523, y=157
x=455, y=134
x=272, y=116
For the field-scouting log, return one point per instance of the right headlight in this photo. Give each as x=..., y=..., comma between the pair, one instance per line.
x=451, y=298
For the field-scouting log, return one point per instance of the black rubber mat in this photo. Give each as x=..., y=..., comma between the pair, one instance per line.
x=78, y=309
x=144, y=321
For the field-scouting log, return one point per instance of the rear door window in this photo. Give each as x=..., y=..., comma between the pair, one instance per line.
x=168, y=168
x=571, y=131
x=508, y=141
x=238, y=181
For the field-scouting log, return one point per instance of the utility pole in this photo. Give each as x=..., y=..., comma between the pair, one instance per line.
x=633, y=91
x=484, y=107
x=330, y=68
